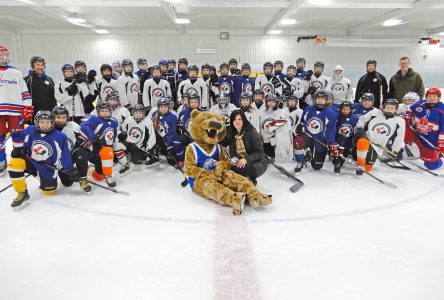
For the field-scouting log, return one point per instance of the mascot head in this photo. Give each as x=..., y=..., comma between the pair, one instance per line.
x=206, y=127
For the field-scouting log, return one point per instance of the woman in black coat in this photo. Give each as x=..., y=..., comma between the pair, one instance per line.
x=246, y=147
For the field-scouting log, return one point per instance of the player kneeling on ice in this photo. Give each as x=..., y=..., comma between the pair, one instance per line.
x=100, y=132
x=318, y=122
x=139, y=137
x=425, y=128
x=79, y=154
x=373, y=133
x=208, y=167
x=44, y=150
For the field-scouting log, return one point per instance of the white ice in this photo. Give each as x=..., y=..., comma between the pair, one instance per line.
x=339, y=237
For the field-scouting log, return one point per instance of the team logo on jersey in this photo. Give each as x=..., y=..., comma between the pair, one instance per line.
x=381, y=129
x=108, y=134
x=248, y=88
x=225, y=87
x=419, y=109
x=338, y=87
x=266, y=121
x=317, y=84
x=315, y=125
x=134, y=88
x=7, y=81
x=423, y=125
x=136, y=133
x=267, y=88
x=345, y=130
x=191, y=91
x=209, y=164
x=41, y=150
x=157, y=92
x=108, y=90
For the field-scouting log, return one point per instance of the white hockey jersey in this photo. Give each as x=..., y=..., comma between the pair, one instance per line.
x=273, y=86
x=74, y=104
x=380, y=129
x=153, y=91
x=341, y=89
x=320, y=83
x=128, y=89
x=294, y=117
x=278, y=136
x=260, y=109
x=72, y=131
x=14, y=93
x=253, y=117
x=223, y=111
x=198, y=87
x=297, y=87
x=103, y=88
x=140, y=133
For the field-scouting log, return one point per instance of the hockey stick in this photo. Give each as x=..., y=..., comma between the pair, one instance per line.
x=22, y=120
x=7, y=187
x=422, y=138
x=295, y=187
x=350, y=161
x=184, y=183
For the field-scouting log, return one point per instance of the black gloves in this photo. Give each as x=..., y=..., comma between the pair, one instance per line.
x=72, y=89
x=18, y=152
x=122, y=136
x=92, y=75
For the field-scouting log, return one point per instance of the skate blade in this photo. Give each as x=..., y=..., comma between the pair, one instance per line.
x=20, y=207
x=155, y=165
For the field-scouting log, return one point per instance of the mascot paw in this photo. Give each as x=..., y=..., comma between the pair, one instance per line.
x=238, y=203
x=257, y=200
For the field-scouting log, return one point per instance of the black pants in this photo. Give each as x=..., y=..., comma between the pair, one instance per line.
x=80, y=159
x=248, y=171
x=269, y=150
x=137, y=156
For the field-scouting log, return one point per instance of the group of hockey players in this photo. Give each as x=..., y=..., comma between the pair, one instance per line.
x=302, y=116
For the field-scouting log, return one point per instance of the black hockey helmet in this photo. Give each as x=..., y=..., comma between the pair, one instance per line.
x=183, y=61
x=193, y=95
x=291, y=97
x=154, y=68
x=103, y=105
x=205, y=66
x=193, y=68
x=319, y=64
x=79, y=63
x=291, y=67
x=67, y=67
x=35, y=59
x=141, y=61
x=163, y=102
x=112, y=96
x=368, y=96
x=44, y=115
x=322, y=93
x=348, y=104
x=278, y=62
x=106, y=67
x=390, y=102
x=223, y=96
x=60, y=111
x=245, y=95
x=172, y=62
x=138, y=108
x=246, y=66
x=127, y=62
x=301, y=59
x=213, y=68
x=223, y=65
x=268, y=64
x=232, y=61
x=258, y=92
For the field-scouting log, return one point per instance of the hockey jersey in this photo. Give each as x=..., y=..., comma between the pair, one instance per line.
x=103, y=87
x=72, y=131
x=253, y=117
x=47, y=148
x=185, y=120
x=204, y=160
x=128, y=89
x=321, y=125
x=428, y=122
x=167, y=127
x=140, y=133
x=226, y=85
x=154, y=90
x=224, y=111
x=259, y=109
x=14, y=93
x=272, y=84
x=278, y=136
x=195, y=86
x=120, y=114
x=74, y=104
x=345, y=128
x=242, y=84
x=316, y=82
x=380, y=130
x=359, y=110
x=341, y=89
x=95, y=128
x=294, y=117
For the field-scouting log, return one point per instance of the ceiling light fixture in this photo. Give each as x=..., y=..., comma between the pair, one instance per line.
x=392, y=22
x=182, y=21
x=288, y=22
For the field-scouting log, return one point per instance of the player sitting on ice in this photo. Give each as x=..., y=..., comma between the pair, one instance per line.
x=44, y=150
x=407, y=101
x=425, y=128
x=138, y=137
x=165, y=125
x=79, y=154
x=184, y=119
x=318, y=122
x=345, y=128
x=373, y=133
x=251, y=114
x=100, y=132
x=366, y=105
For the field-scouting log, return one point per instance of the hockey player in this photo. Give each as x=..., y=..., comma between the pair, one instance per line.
x=251, y=114
x=182, y=72
x=128, y=85
x=300, y=64
x=117, y=69
x=224, y=108
x=105, y=85
x=172, y=66
x=425, y=128
x=184, y=120
x=234, y=71
x=138, y=133
x=294, y=113
x=275, y=131
x=258, y=101
x=278, y=67
x=292, y=86
x=267, y=82
x=226, y=82
x=71, y=93
x=79, y=154
x=366, y=105
x=407, y=101
x=317, y=81
x=212, y=83
x=155, y=88
x=244, y=83
x=194, y=85
x=44, y=149
x=165, y=125
x=100, y=132
x=319, y=121
x=373, y=133
x=15, y=105
x=345, y=127
x=142, y=73
x=339, y=86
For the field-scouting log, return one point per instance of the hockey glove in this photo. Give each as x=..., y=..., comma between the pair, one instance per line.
x=122, y=136
x=312, y=90
x=92, y=76
x=440, y=147
x=72, y=89
x=333, y=150
x=171, y=156
x=27, y=112
x=18, y=152
x=300, y=129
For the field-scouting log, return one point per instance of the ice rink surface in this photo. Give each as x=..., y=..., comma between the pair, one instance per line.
x=339, y=237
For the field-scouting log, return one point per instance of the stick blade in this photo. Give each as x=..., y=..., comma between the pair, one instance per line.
x=296, y=187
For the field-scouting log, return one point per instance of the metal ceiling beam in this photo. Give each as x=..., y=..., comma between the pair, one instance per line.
x=172, y=14
x=282, y=14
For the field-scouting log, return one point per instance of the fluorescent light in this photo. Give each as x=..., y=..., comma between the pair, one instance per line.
x=101, y=31
x=27, y=2
x=276, y=31
x=288, y=22
x=182, y=21
x=319, y=2
x=441, y=33
x=76, y=20
x=392, y=22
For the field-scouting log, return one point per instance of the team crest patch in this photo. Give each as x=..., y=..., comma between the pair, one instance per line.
x=108, y=90
x=134, y=88
x=317, y=84
x=41, y=151
x=135, y=133
x=210, y=164
x=345, y=130
x=248, y=88
x=109, y=134
x=225, y=87
x=419, y=109
x=338, y=87
x=191, y=91
x=381, y=129
x=157, y=92
x=315, y=125
x=267, y=88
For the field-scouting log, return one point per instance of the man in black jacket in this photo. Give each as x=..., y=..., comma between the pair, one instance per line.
x=372, y=82
x=40, y=86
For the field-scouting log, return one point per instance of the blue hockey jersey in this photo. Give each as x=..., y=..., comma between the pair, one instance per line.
x=204, y=160
x=242, y=84
x=185, y=119
x=428, y=122
x=226, y=85
x=95, y=128
x=345, y=128
x=47, y=148
x=359, y=110
x=167, y=127
x=320, y=124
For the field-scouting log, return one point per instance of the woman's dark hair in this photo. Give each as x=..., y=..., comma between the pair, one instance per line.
x=246, y=124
